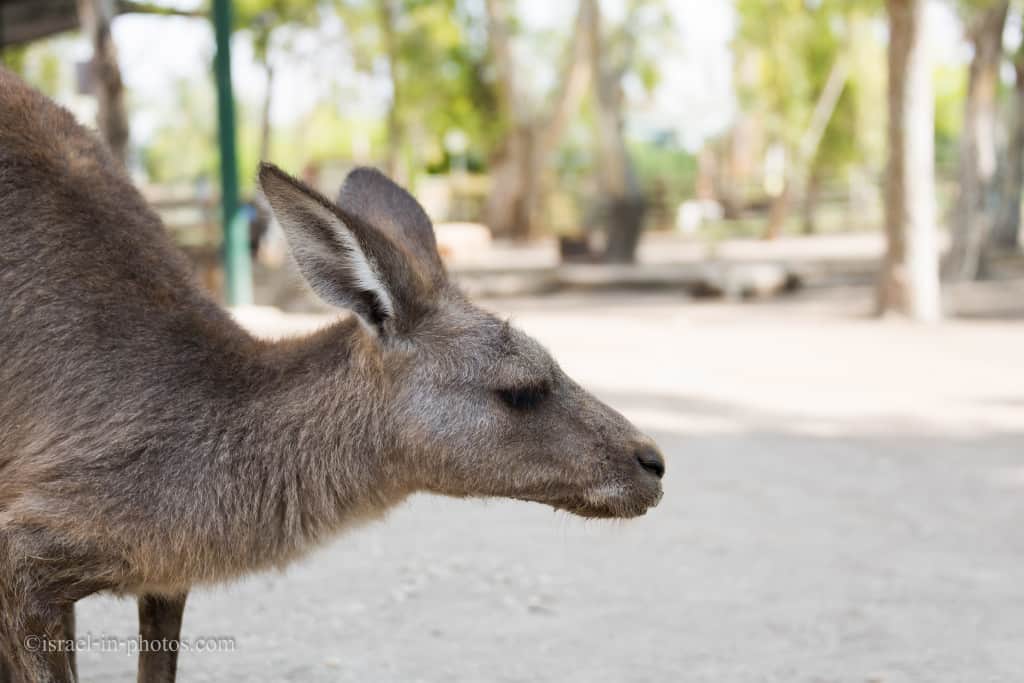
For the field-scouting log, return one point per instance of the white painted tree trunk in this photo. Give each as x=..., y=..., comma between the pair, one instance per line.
x=909, y=281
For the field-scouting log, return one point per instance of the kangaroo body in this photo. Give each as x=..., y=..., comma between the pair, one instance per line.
x=149, y=444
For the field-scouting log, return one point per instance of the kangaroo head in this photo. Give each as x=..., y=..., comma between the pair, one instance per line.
x=476, y=407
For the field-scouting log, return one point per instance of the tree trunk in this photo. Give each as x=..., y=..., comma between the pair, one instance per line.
x=779, y=212
x=510, y=208
x=909, y=279
x=625, y=207
x=268, y=99
x=260, y=223
x=506, y=212
x=812, y=194
x=1007, y=232
x=396, y=132
x=974, y=215
x=501, y=56
x=518, y=170
x=112, y=119
x=824, y=108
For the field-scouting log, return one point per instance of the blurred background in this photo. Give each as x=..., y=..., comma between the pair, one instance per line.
x=783, y=236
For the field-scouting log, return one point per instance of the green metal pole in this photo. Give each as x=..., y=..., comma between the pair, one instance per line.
x=237, y=264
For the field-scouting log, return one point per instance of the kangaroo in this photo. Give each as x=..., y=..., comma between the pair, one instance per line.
x=149, y=444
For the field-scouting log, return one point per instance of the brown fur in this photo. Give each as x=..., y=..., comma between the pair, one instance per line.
x=149, y=444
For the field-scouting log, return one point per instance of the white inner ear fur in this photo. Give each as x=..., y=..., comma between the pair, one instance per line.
x=360, y=266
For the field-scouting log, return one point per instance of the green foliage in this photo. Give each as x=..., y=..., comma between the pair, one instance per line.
x=13, y=57
x=785, y=50
x=950, y=93
x=772, y=45
x=262, y=17
x=325, y=134
x=37, y=63
x=184, y=148
x=667, y=172
x=441, y=77
x=968, y=8
x=635, y=47
x=440, y=69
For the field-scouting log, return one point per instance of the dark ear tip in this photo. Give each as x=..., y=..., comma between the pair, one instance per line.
x=268, y=170
x=362, y=177
x=274, y=181
x=367, y=171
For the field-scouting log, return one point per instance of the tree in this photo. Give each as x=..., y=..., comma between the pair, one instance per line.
x=435, y=70
x=802, y=71
x=597, y=56
x=612, y=57
x=183, y=146
x=522, y=157
x=1007, y=229
x=13, y=57
x=803, y=169
x=974, y=215
x=38, y=63
x=909, y=279
x=375, y=36
x=386, y=15
x=263, y=19
x=112, y=117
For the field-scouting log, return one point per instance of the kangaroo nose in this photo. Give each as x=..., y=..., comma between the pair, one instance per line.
x=652, y=461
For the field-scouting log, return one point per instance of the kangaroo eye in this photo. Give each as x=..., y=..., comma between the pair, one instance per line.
x=523, y=398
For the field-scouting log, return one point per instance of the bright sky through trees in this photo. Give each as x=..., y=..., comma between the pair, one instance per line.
x=695, y=96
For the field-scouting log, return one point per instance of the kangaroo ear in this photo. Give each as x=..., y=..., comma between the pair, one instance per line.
x=377, y=200
x=347, y=262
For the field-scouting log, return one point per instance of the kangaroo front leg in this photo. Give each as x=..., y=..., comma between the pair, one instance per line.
x=5, y=670
x=68, y=636
x=160, y=630
x=38, y=649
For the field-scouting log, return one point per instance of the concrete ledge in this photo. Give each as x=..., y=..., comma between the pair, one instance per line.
x=714, y=279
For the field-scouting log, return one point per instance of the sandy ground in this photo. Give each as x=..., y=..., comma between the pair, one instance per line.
x=844, y=502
